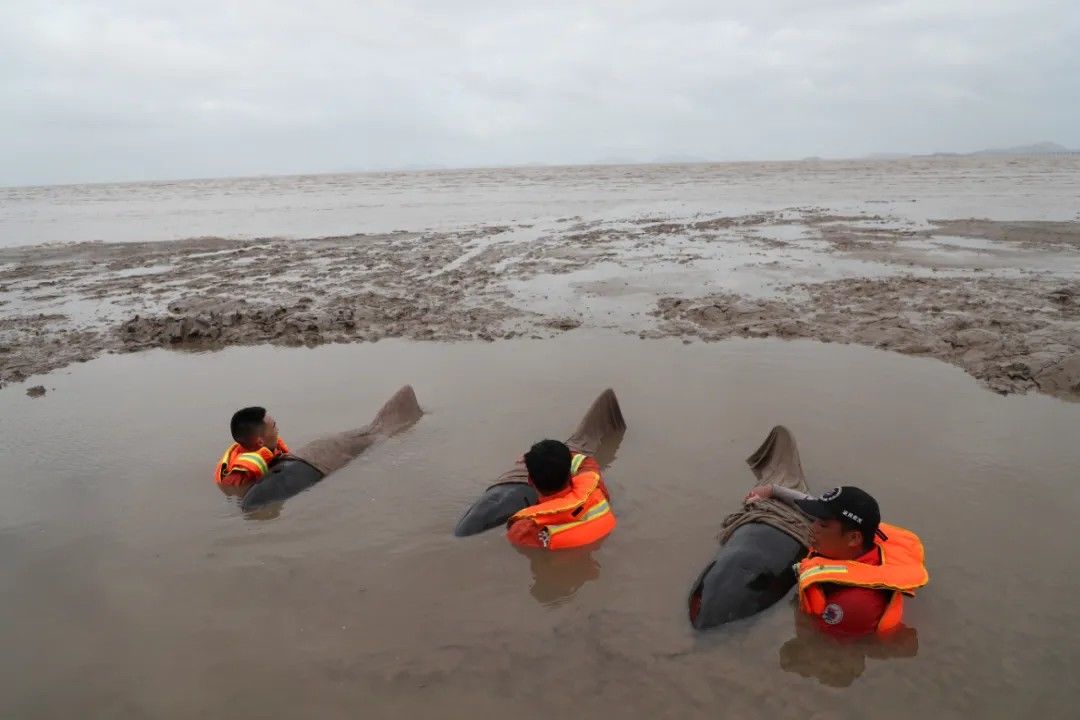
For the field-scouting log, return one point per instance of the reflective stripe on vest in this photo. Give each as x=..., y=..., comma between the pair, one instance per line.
x=575, y=463
x=254, y=461
x=807, y=574
x=602, y=508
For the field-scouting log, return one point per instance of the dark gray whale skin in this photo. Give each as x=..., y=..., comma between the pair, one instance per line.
x=496, y=505
x=288, y=476
x=748, y=574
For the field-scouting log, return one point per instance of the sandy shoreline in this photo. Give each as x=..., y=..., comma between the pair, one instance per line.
x=999, y=299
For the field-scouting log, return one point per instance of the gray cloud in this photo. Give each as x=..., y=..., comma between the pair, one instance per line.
x=145, y=89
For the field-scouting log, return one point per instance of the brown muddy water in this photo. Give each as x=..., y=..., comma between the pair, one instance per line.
x=133, y=588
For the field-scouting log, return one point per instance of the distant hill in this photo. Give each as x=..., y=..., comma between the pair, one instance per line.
x=615, y=160
x=670, y=159
x=415, y=167
x=677, y=159
x=1043, y=148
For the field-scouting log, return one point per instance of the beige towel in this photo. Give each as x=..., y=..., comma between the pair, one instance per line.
x=776, y=462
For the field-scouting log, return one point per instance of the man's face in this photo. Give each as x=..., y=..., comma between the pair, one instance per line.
x=829, y=539
x=269, y=432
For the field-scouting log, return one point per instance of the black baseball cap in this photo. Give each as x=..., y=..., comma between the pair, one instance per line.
x=846, y=503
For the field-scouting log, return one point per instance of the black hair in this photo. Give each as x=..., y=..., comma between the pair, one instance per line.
x=548, y=462
x=867, y=535
x=247, y=423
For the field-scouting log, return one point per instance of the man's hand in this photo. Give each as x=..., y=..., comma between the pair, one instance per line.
x=759, y=493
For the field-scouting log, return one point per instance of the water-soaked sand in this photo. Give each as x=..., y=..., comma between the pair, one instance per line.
x=999, y=299
x=133, y=588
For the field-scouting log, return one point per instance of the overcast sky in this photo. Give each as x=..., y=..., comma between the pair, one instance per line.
x=141, y=89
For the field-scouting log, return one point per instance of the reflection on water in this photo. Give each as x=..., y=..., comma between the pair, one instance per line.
x=840, y=662
x=269, y=511
x=235, y=493
x=558, y=575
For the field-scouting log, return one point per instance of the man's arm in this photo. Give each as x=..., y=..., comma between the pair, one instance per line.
x=525, y=533
x=783, y=494
x=236, y=477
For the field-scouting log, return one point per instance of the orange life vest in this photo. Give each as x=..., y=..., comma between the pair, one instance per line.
x=255, y=464
x=579, y=515
x=901, y=570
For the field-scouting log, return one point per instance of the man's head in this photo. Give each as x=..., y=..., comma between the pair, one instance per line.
x=846, y=520
x=253, y=428
x=548, y=463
